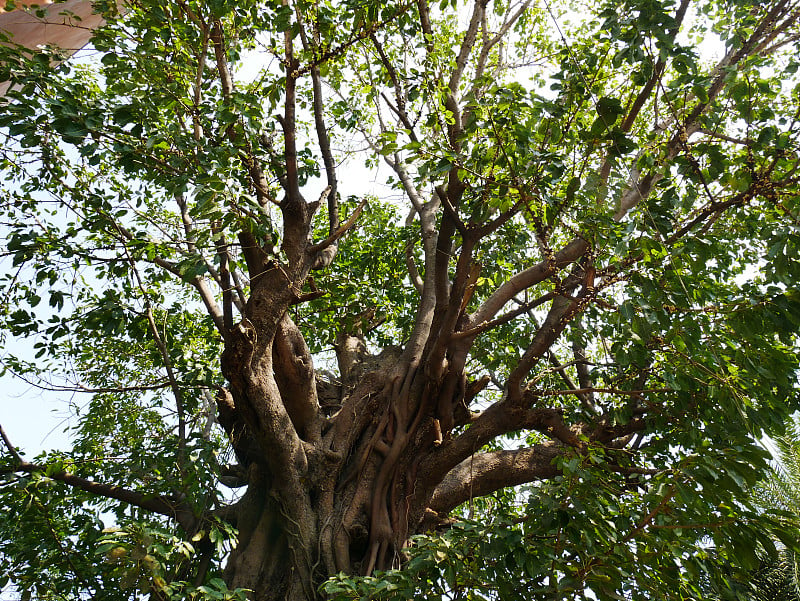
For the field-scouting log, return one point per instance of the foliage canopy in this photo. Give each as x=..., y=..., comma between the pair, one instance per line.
x=554, y=337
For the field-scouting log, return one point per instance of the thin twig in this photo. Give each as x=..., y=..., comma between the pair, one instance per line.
x=351, y=221
x=11, y=448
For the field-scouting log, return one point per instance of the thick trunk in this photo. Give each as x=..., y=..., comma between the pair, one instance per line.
x=262, y=561
x=360, y=488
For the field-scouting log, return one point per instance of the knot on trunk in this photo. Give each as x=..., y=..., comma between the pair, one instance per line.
x=238, y=351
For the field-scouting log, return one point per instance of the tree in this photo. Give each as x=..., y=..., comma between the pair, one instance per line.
x=778, y=576
x=581, y=281
x=775, y=578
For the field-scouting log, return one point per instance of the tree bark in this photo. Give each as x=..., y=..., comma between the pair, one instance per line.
x=378, y=472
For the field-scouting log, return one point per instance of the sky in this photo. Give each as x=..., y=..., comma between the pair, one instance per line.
x=33, y=419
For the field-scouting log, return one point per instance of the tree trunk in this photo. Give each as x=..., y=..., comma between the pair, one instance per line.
x=361, y=499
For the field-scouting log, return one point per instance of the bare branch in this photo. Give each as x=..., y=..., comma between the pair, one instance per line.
x=341, y=231
x=470, y=36
x=327, y=156
x=484, y=473
x=76, y=387
x=413, y=272
x=488, y=325
x=224, y=276
x=529, y=277
x=217, y=37
x=11, y=448
x=490, y=43
x=584, y=377
x=720, y=136
x=293, y=195
x=198, y=83
x=188, y=227
x=399, y=92
x=425, y=23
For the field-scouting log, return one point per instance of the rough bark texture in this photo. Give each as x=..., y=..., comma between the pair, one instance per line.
x=346, y=491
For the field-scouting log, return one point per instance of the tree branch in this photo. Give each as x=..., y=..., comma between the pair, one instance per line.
x=499, y=418
x=162, y=505
x=427, y=301
x=528, y=277
x=470, y=36
x=413, y=272
x=198, y=281
x=162, y=349
x=224, y=276
x=490, y=43
x=167, y=506
x=484, y=473
x=340, y=231
x=288, y=123
x=327, y=156
x=11, y=448
x=639, y=189
x=399, y=92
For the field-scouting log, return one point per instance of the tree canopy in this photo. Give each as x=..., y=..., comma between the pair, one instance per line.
x=536, y=363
